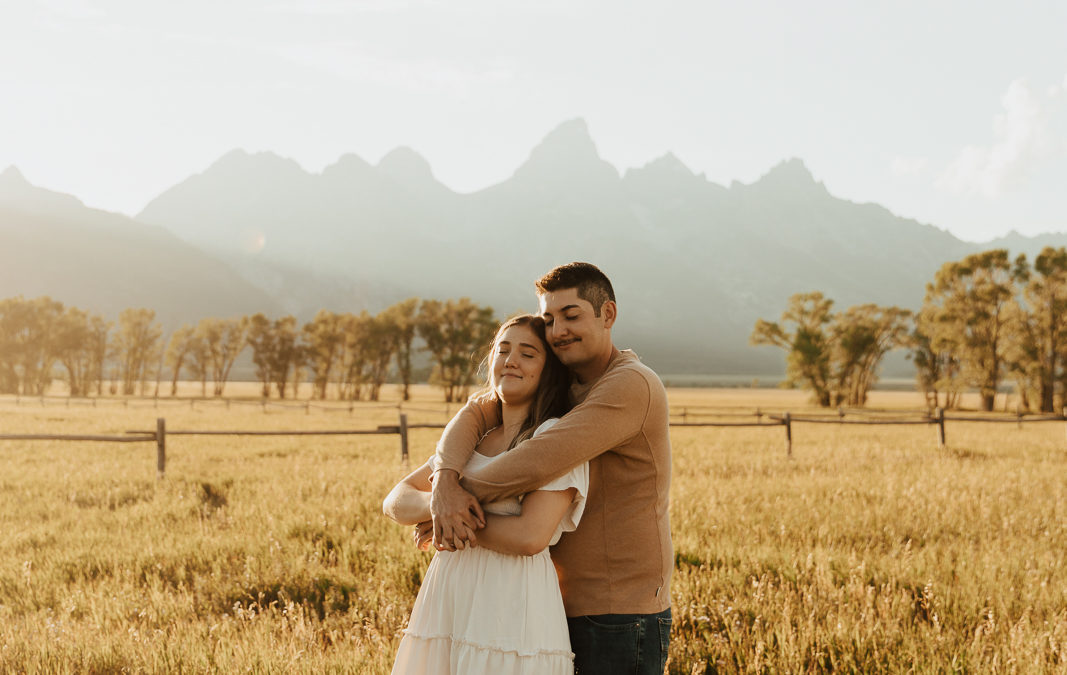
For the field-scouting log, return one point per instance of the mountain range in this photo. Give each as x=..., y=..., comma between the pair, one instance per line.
x=694, y=263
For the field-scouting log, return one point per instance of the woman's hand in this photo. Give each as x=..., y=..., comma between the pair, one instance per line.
x=423, y=535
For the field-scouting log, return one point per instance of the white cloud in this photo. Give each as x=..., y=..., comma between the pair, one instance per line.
x=1022, y=141
x=909, y=166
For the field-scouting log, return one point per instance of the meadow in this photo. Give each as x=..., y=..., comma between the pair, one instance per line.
x=870, y=550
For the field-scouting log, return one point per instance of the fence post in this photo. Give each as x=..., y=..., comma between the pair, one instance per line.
x=403, y=437
x=1019, y=415
x=940, y=428
x=788, y=435
x=161, y=447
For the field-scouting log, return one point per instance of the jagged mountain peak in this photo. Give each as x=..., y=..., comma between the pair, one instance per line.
x=572, y=134
x=12, y=177
x=566, y=153
x=407, y=167
x=403, y=158
x=240, y=160
x=790, y=172
x=17, y=191
x=349, y=164
x=669, y=164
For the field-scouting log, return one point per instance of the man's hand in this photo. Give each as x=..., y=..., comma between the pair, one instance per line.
x=456, y=513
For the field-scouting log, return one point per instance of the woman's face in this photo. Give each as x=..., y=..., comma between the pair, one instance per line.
x=518, y=359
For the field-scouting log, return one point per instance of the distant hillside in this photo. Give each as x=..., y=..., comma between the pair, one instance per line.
x=51, y=244
x=694, y=263
x=1029, y=246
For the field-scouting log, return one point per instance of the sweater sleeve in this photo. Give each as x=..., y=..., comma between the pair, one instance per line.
x=613, y=412
x=461, y=435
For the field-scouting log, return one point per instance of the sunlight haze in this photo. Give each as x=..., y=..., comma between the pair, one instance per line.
x=952, y=113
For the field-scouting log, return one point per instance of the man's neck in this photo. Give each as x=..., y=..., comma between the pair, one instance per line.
x=592, y=371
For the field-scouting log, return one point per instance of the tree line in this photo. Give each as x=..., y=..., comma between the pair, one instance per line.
x=986, y=320
x=343, y=355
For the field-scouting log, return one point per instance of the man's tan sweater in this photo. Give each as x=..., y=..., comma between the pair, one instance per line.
x=619, y=560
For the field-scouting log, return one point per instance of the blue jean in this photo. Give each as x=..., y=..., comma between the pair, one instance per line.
x=620, y=644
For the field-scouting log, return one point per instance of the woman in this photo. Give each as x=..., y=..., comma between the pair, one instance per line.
x=497, y=608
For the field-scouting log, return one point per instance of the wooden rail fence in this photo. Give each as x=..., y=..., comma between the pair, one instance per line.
x=785, y=419
x=201, y=402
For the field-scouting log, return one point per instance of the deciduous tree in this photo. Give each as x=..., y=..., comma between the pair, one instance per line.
x=324, y=341
x=803, y=332
x=455, y=332
x=1041, y=336
x=404, y=317
x=967, y=313
x=862, y=335
x=135, y=343
x=182, y=344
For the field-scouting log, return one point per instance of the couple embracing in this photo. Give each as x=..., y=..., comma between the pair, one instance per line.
x=568, y=448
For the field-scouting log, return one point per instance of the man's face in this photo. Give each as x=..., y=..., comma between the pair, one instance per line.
x=575, y=333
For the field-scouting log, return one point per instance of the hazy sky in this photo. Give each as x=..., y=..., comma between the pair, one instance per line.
x=952, y=112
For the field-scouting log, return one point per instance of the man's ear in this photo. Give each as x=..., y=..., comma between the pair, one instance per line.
x=609, y=311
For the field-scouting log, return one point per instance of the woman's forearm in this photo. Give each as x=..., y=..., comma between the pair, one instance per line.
x=529, y=533
x=505, y=534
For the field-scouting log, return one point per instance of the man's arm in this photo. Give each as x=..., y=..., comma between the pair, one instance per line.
x=525, y=534
x=456, y=513
x=461, y=435
x=612, y=413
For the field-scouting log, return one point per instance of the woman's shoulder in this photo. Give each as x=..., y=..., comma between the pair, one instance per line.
x=546, y=425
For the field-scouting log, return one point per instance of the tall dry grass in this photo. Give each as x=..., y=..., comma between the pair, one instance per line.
x=869, y=551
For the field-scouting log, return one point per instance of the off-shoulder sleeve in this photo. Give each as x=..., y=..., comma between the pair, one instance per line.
x=577, y=478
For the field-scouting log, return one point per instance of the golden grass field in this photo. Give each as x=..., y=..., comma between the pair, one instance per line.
x=869, y=550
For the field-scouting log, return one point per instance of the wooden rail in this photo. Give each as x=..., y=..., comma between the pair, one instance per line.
x=160, y=436
x=402, y=428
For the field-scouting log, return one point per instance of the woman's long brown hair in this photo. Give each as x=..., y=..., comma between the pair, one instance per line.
x=552, y=398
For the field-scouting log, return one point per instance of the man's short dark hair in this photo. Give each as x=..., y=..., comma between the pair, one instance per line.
x=593, y=285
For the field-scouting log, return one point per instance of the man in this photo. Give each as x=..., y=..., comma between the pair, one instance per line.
x=615, y=569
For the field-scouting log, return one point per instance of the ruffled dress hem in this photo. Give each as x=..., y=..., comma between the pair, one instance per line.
x=521, y=653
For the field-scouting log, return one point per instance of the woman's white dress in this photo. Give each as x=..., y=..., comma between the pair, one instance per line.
x=479, y=611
